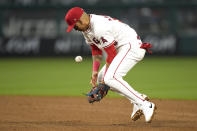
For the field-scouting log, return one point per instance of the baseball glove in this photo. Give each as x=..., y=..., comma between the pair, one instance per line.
x=97, y=93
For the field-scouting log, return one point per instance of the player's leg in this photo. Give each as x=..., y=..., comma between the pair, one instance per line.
x=101, y=74
x=137, y=112
x=119, y=67
x=100, y=79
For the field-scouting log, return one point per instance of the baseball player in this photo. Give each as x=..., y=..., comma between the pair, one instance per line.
x=124, y=49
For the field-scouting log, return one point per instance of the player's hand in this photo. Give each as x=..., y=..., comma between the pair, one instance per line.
x=102, y=82
x=94, y=79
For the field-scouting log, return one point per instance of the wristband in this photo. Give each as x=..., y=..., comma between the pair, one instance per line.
x=96, y=65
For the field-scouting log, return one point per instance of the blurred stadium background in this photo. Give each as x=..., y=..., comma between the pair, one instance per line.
x=36, y=53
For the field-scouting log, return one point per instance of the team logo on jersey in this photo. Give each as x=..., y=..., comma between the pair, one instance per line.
x=98, y=42
x=103, y=40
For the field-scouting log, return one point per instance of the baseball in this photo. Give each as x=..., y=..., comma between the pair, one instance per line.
x=78, y=59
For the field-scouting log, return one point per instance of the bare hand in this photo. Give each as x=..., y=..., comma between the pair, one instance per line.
x=94, y=79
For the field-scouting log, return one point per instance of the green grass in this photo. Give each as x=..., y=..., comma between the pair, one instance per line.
x=158, y=77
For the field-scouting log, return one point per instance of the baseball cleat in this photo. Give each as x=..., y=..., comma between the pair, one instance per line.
x=137, y=113
x=149, y=111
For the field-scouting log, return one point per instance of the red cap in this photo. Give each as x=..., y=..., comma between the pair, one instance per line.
x=72, y=16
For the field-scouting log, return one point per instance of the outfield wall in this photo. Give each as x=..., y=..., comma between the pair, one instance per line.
x=37, y=27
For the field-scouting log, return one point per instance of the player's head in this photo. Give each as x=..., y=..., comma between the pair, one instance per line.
x=76, y=18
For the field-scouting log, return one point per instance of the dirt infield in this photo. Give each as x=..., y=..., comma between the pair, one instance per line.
x=33, y=113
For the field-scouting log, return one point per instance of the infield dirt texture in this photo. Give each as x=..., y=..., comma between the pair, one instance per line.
x=47, y=113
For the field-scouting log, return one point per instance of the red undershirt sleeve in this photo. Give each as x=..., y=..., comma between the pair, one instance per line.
x=111, y=53
x=96, y=50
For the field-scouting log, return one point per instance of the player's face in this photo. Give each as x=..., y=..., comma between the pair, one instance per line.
x=79, y=26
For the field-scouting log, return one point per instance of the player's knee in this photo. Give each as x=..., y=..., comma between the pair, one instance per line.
x=100, y=76
x=108, y=80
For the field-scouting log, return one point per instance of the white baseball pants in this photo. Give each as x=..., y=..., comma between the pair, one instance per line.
x=127, y=57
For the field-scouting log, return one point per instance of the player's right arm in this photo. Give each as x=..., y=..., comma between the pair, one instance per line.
x=96, y=57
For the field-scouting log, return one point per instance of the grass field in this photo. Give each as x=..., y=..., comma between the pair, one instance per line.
x=158, y=77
